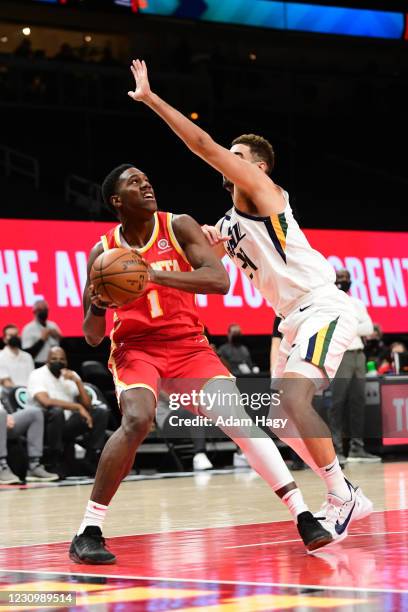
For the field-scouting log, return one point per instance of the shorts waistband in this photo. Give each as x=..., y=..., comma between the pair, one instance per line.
x=320, y=292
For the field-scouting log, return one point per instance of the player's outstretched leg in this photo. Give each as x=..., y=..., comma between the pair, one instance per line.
x=344, y=502
x=264, y=457
x=138, y=408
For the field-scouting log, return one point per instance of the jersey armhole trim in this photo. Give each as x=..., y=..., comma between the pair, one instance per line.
x=116, y=235
x=104, y=241
x=173, y=238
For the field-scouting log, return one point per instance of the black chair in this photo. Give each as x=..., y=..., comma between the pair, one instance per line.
x=14, y=398
x=99, y=399
x=97, y=374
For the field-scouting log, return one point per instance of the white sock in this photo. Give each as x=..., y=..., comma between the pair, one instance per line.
x=94, y=515
x=334, y=478
x=295, y=503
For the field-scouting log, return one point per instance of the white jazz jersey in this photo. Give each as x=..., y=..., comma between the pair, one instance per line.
x=275, y=255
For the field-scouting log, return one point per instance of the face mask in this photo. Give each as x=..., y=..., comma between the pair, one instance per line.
x=236, y=339
x=55, y=368
x=42, y=315
x=14, y=342
x=344, y=285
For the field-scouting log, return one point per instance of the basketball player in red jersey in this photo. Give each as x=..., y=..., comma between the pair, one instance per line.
x=159, y=337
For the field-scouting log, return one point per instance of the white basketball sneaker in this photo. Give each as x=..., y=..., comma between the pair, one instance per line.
x=339, y=514
x=364, y=506
x=201, y=462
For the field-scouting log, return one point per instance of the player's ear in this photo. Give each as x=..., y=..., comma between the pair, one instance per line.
x=115, y=201
x=263, y=166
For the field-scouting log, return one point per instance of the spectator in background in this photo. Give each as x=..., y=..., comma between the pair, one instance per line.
x=15, y=365
x=107, y=56
x=30, y=423
x=66, y=54
x=67, y=408
x=375, y=348
x=24, y=49
x=235, y=356
x=387, y=365
x=40, y=335
x=348, y=387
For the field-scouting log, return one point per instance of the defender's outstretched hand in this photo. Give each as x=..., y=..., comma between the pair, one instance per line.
x=142, y=86
x=213, y=235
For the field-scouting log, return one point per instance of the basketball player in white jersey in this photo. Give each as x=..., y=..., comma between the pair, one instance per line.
x=318, y=322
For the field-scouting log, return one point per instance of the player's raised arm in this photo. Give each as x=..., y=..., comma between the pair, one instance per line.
x=249, y=177
x=208, y=276
x=94, y=325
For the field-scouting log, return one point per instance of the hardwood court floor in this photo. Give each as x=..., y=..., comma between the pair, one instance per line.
x=211, y=542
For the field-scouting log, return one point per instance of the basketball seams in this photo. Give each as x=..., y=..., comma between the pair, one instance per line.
x=125, y=291
x=117, y=286
x=125, y=252
x=105, y=281
x=142, y=270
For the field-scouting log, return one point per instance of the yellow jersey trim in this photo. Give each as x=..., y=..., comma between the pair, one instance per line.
x=149, y=243
x=104, y=241
x=173, y=238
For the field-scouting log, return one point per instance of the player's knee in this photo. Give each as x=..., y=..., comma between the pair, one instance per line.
x=292, y=402
x=138, y=408
x=35, y=413
x=137, y=422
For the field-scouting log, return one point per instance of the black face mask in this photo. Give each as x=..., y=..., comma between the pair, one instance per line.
x=55, y=368
x=14, y=342
x=236, y=339
x=42, y=315
x=344, y=285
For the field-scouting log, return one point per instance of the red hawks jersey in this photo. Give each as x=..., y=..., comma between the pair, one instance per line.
x=162, y=313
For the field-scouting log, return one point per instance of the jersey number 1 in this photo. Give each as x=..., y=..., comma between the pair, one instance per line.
x=154, y=303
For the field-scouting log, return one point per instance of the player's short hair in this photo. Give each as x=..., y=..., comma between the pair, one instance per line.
x=110, y=183
x=9, y=326
x=259, y=147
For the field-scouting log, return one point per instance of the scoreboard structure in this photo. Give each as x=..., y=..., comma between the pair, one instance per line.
x=290, y=16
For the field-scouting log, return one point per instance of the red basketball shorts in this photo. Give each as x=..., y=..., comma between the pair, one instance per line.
x=175, y=365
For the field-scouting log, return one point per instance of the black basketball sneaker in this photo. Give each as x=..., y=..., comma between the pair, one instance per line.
x=314, y=536
x=90, y=548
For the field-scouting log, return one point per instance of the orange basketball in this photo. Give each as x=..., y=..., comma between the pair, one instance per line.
x=119, y=276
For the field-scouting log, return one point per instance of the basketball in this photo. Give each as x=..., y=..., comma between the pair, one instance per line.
x=119, y=276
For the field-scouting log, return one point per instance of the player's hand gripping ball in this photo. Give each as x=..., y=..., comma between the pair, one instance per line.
x=119, y=276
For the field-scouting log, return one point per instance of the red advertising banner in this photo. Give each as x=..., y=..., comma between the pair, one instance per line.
x=394, y=408
x=48, y=259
